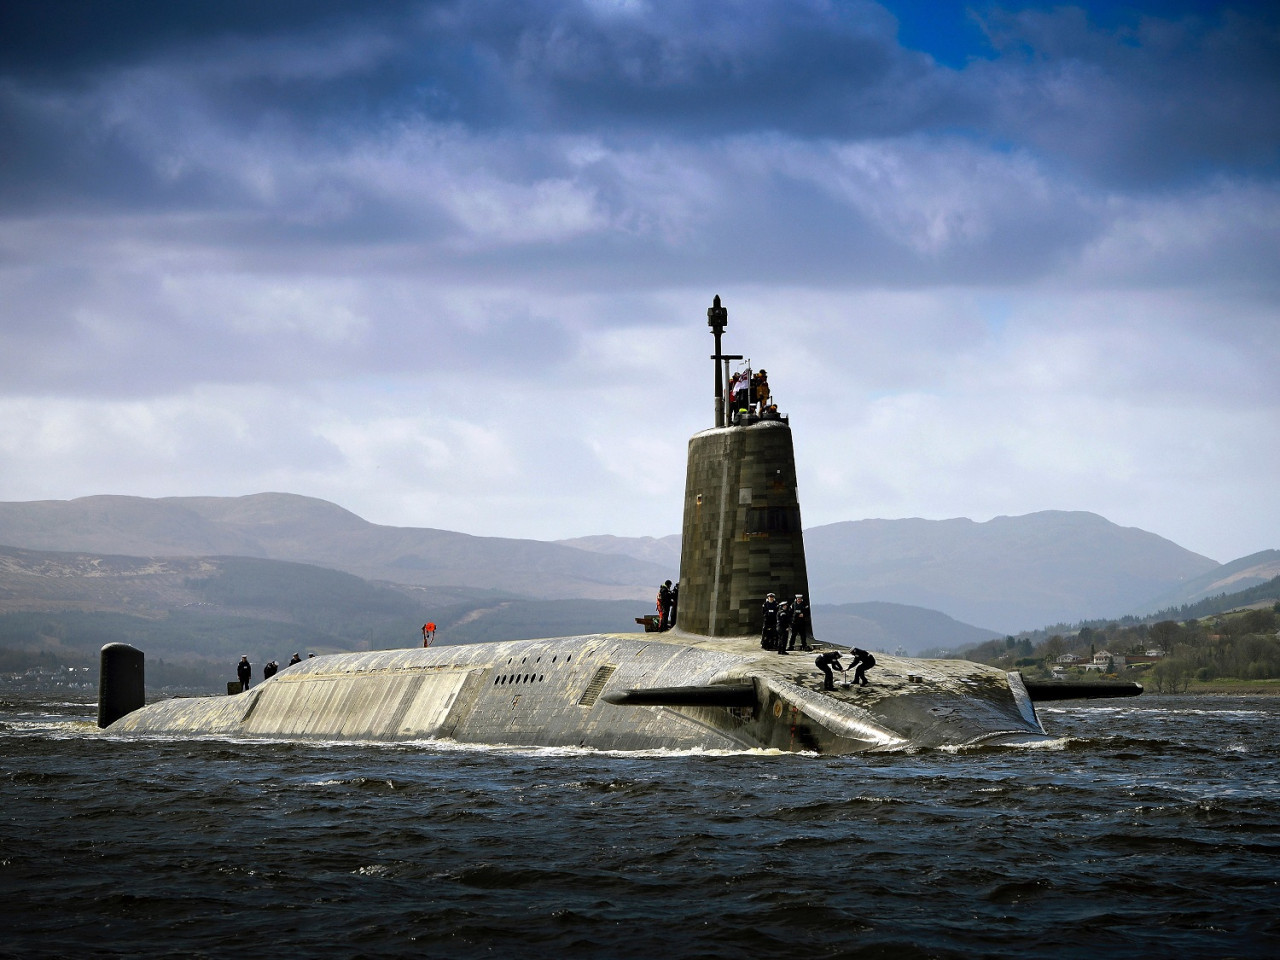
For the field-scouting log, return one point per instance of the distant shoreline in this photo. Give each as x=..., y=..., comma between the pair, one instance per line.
x=1227, y=687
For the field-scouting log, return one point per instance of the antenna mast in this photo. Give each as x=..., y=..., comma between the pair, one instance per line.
x=717, y=320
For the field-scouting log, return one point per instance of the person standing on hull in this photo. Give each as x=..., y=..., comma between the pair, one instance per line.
x=664, y=606
x=824, y=662
x=675, y=602
x=784, y=626
x=295, y=658
x=862, y=662
x=769, y=632
x=244, y=670
x=800, y=627
x=270, y=669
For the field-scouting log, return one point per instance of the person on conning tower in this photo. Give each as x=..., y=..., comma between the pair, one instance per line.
x=760, y=391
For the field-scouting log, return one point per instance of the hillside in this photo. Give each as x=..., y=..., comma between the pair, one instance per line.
x=1250, y=571
x=154, y=586
x=890, y=626
x=1007, y=574
x=664, y=551
x=207, y=611
x=70, y=604
x=280, y=526
x=185, y=610
x=1229, y=637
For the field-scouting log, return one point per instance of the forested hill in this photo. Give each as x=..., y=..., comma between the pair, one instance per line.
x=1227, y=637
x=1222, y=602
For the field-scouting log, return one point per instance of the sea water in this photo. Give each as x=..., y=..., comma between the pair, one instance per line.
x=1149, y=827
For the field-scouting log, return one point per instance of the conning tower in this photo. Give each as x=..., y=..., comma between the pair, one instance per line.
x=742, y=537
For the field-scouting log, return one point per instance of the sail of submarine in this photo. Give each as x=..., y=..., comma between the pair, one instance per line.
x=706, y=684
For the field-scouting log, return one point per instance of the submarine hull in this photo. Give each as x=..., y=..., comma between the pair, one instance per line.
x=707, y=684
x=612, y=692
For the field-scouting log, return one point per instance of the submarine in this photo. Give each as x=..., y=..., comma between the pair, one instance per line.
x=704, y=684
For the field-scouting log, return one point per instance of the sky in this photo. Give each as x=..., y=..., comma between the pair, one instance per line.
x=447, y=264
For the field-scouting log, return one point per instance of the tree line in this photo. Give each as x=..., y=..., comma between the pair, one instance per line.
x=1241, y=644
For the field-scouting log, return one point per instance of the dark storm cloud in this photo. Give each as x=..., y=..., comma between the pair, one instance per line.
x=616, y=145
x=62, y=41
x=707, y=70
x=1146, y=102
x=717, y=67
x=1146, y=98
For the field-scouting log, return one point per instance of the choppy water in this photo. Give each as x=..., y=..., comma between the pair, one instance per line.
x=1151, y=828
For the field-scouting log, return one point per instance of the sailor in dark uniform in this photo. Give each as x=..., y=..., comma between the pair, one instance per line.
x=769, y=632
x=824, y=662
x=244, y=670
x=784, y=626
x=862, y=662
x=800, y=627
x=664, y=606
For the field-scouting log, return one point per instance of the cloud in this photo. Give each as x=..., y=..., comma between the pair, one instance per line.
x=1143, y=103
x=1220, y=234
x=448, y=263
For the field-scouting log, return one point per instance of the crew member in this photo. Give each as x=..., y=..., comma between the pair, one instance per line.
x=428, y=633
x=800, y=627
x=769, y=632
x=784, y=626
x=664, y=606
x=862, y=662
x=760, y=391
x=244, y=670
x=270, y=669
x=295, y=658
x=824, y=662
x=741, y=395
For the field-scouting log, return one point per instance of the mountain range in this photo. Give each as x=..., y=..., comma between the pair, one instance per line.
x=279, y=559
x=70, y=604
x=1010, y=573
x=282, y=526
